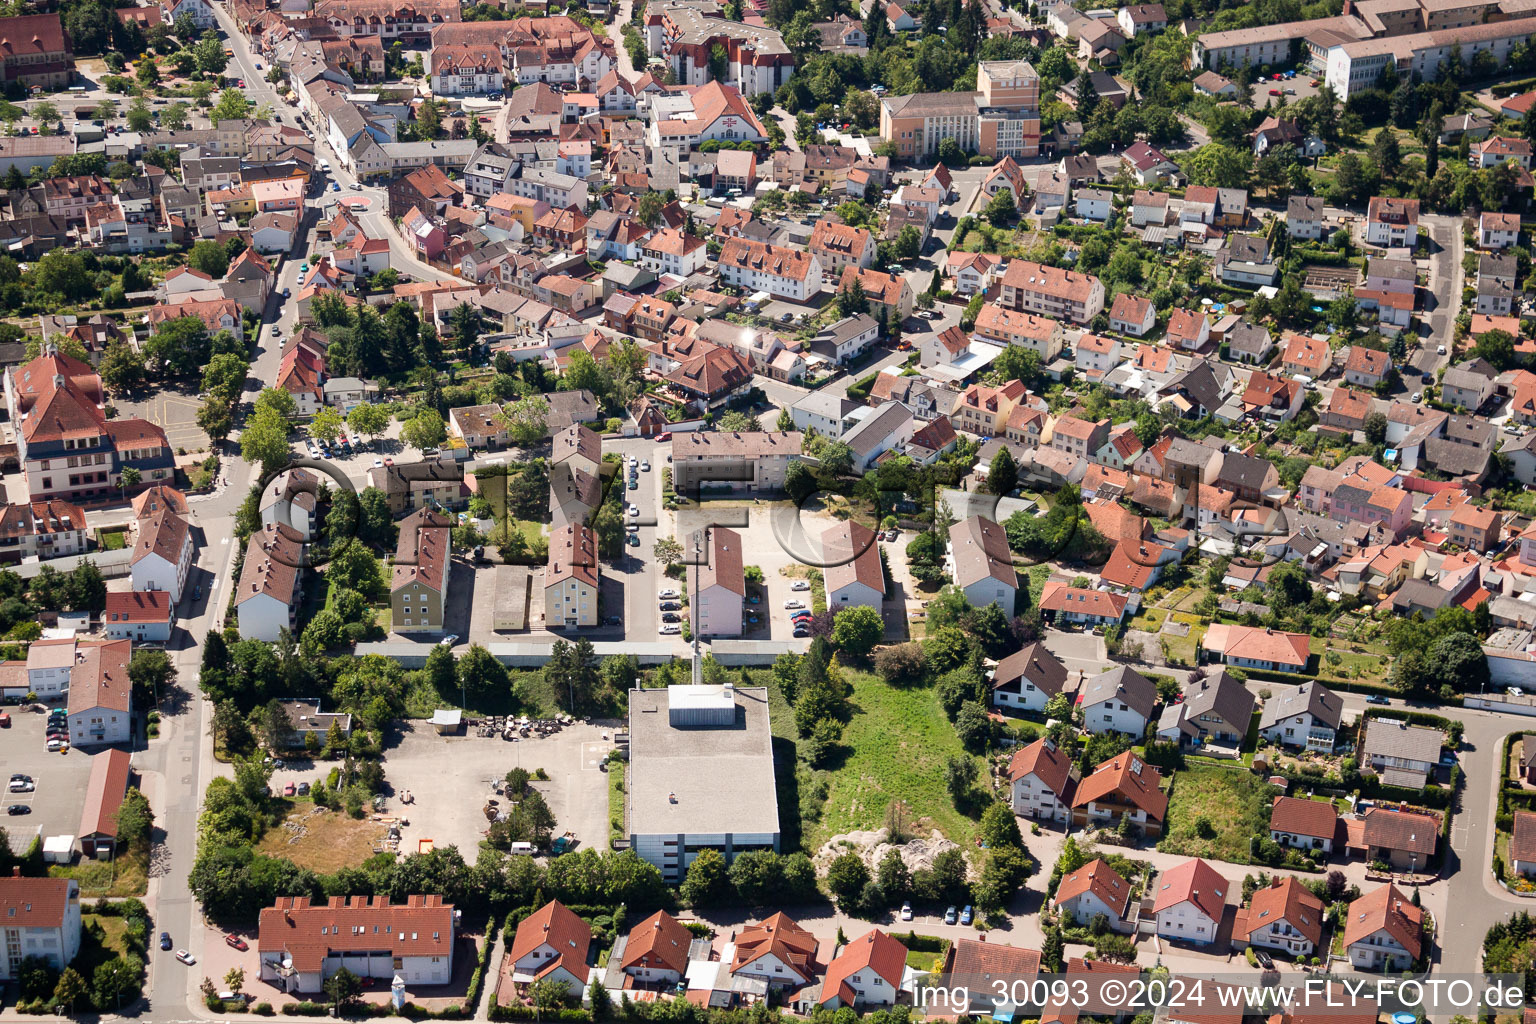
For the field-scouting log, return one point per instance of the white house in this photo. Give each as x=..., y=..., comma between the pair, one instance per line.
x=267, y=596
x=300, y=945
x=1307, y=825
x=1120, y=700
x=1042, y=782
x=1028, y=678
x=1283, y=916
x=162, y=557
x=42, y=919
x=551, y=944
x=101, y=695
x=1091, y=890
x=1383, y=930
x=1094, y=204
x=1189, y=902
x=1304, y=716
x=981, y=564
x=143, y=616
x=49, y=666
x=866, y=972
x=851, y=569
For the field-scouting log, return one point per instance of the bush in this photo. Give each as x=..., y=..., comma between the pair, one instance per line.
x=306, y=1009
x=263, y=1009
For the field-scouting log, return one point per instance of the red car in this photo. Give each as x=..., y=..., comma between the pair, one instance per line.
x=237, y=942
x=290, y=789
x=665, y=435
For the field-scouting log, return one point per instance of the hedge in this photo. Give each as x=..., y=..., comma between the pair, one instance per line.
x=1504, y=89
x=859, y=390
x=1337, y=685
x=522, y=1012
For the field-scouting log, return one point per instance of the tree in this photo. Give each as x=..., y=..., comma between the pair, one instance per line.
x=972, y=725
x=895, y=880
x=429, y=119
x=265, y=440
x=1497, y=348
x=224, y=377
x=210, y=257
x=150, y=672
x=467, y=322
x=70, y=989
x=425, y=430
x=1003, y=474
x=851, y=301
x=1376, y=428
x=354, y=567
x=856, y=630
x=846, y=879
x=1218, y=166
x=121, y=369
x=343, y=988
x=1002, y=209
x=234, y=979
x=326, y=423
x=139, y=120
x=959, y=774
x=999, y=827
x=527, y=420
x=706, y=884
x=232, y=106
x=116, y=979
x=649, y=208
x=370, y=420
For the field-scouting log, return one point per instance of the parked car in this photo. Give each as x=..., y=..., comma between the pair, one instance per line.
x=794, y=602
x=800, y=585
x=303, y=791
x=950, y=916
x=233, y=941
x=290, y=789
x=671, y=617
x=668, y=593
x=670, y=630
x=449, y=640
x=1377, y=698
x=645, y=467
x=18, y=809
x=906, y=911
x=965, y=915
x=671, y=606
x=665, y=435
x=634, y=540
x=165, y=940
x=23, y=786
x=1265, y=960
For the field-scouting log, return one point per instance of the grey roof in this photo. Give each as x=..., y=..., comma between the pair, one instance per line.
x=1466, y=380
x=1124, y=684
x=1244, y=249
x=1184, y=452
x=1304, y=207
x=675, y=773
x=1222, y=695
x=1497, y=264
x=824, y=403
x=1249, y=338
x=848, y=328
x=628, y=277
x=1243, y=470
x=1458, y=460
x=864, y=438
x=1388, y=737
x=568, y=407
x=1314, y=698
x=1201, y=384
x=1470, y=430
x=1419, y=594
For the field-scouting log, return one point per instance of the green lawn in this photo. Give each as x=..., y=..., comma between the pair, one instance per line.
x=1370, y=664
x=1232, y=803
x=125, y=875
x=898, y=741
x=616, y=774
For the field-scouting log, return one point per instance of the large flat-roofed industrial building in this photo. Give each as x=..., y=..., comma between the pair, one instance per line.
x=700, y=774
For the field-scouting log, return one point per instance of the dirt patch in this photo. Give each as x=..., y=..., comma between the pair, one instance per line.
x=873, y=846
x=323, y=840
x=1175, y=628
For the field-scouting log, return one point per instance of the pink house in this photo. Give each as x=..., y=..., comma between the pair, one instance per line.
x=278, y=194
x=425, y=234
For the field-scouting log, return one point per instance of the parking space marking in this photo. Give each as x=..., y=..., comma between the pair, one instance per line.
x=593, y=755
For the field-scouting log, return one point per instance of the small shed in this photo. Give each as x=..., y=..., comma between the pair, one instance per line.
x=447, y=721
x=58, y=849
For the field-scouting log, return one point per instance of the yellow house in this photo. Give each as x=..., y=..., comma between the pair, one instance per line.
x=232, y=201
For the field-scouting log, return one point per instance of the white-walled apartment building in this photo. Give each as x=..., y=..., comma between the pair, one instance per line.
x=683, y=32
x=719, y=583
x=41, y=919
x=754, y=462
x=684, y=740
x=466, y=70
x=571, y=579
x=1052, y=292
x=1352, y=67
x=783, y=273
x=1001, y=119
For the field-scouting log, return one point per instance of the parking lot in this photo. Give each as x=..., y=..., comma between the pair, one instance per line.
x=54, y=807
x=431, y=766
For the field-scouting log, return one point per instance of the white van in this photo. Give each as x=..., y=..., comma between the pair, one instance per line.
x=522, y=849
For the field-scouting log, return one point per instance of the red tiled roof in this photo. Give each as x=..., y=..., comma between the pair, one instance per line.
x=423, y=926
x=1193, y=881
x=1315, y=818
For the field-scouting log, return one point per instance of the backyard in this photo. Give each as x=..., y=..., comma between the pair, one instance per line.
x=125, y=875
x=897, y=743
x=1215, y=812
x=322, y=840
